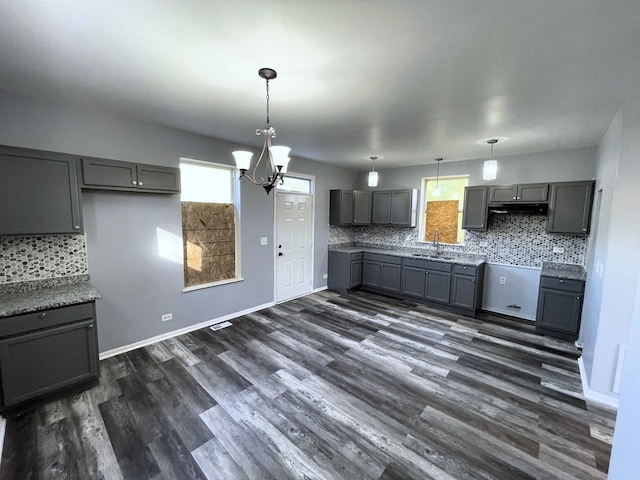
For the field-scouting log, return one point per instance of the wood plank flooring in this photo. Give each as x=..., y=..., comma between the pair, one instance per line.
x=328, y=386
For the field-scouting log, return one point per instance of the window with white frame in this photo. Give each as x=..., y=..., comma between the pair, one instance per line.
x=443, y=212
x=210, y=223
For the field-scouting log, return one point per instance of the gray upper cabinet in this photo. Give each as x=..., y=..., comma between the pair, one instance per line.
x=530, y=192
x=570, y=207
x=39, y=193
x=394, y=207
x=103, y=174
x=361, y=208
x=348, y=207
x=475, y=211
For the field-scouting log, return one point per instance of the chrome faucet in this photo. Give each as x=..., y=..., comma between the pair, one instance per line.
x=436, y=241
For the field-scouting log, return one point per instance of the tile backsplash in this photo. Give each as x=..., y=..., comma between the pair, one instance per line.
x=25, y=258
x=513, y=239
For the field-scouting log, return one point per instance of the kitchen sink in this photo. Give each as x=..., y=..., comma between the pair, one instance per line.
x=432, y=257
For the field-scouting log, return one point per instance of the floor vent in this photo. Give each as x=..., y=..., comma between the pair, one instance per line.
x=220, y=326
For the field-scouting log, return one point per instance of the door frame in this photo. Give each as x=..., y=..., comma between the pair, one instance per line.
x=312, y=178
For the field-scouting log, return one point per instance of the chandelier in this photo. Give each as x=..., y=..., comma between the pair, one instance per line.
x=277, y=157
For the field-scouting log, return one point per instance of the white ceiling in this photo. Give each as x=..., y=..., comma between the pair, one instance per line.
x=407, y=79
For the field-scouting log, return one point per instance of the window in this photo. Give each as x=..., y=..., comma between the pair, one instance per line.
x=295, y=184
x=444, y=212
x=210, y=223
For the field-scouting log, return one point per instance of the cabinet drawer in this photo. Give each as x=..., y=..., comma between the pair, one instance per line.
x=44, y=319
x=428, y=264
x=356, y=256
x=465, y=270
x=376, y=257
x=563, y=284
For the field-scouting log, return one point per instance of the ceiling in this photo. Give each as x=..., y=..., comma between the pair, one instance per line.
x=409, y=80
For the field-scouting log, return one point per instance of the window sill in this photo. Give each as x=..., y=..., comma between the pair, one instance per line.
x=212, y=284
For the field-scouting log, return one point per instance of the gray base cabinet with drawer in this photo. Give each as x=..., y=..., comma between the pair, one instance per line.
x=426, y=280
x=381, y=272
x=466, y=286
x=345, y=271
x=559, y=307
x=46, y=352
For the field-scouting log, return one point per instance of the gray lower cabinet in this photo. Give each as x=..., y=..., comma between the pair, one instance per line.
x=381, y=272
x=475, y=208
x=47, y=351
x=426, y=280
x=345, y=271
x=559, y=307
x=466, y=287
x=103, y=174
x=39, y=193
x=570, y=207
x=394, y=207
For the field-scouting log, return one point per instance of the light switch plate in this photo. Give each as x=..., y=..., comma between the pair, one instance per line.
x=484, y=244
x=263, y=240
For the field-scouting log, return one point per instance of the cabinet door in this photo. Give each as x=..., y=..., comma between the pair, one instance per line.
x=47, y=360
x=533, y=192
x=390, y=278
x=475, y=211
x=559, y=311
x=403, y=208
x=464, y=291
x=503, y=194
x=414, y=282
x=381, y=207
x=438, y=286
x=570, y=208
x=98, y=172
x=362, y=208
x=39, y=194
x=154, y=177
x=370, y=274
x=355, y=274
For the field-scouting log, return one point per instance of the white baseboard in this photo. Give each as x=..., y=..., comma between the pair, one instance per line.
x=319, y=289
x=598, y=397
x=3, y=425
x=182, y=331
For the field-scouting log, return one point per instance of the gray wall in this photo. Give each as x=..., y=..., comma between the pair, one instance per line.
x=611, y=284
x=558, y=166
x=123, y=230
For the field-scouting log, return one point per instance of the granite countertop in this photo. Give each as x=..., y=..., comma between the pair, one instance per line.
x=25, y=297
x=564, y=270
x=425, y=254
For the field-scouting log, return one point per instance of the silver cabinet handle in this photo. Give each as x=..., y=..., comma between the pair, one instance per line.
x=42, y=315
x=140, y=183
x=134, y=182
x=77, y=227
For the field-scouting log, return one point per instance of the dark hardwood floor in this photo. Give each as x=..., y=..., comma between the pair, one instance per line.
x=327, y=386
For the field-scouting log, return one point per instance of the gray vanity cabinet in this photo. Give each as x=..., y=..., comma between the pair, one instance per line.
x=103, y=174
x=349, y=207
x=394, y=207
x=47, y=351
x=345, y=271
x=39, y=193
x=559, y=307
x=570, y=207
x=475, y=209
x=381, y=272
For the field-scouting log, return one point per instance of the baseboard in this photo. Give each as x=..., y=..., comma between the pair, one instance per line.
x=3, y=426
x=597, y=397
x=182, y=331
x=511, y=313
x=319, y=289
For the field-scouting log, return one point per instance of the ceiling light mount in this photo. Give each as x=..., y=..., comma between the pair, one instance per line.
x=277, y=159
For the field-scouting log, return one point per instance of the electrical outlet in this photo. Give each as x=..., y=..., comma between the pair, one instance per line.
x=167, y=316
x=503, y=280
x=484, y=244
x=263, y=240
x=325, y=276
x=558, y=249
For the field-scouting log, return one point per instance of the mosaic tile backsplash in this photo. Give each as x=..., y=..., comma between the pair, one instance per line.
x=25, y=258
x=512, y=239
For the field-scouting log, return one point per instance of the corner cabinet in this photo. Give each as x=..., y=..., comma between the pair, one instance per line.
x=39, y=193
x=103, y=174
x=570, y=207
x=349, y=207
x=559, y=307
x=345, y=271
x=47, y=351
x=394, y=207
x=475, y=209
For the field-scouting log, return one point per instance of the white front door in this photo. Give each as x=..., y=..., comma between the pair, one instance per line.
x=294, y=245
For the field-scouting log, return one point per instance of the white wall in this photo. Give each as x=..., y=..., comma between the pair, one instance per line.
x=138, y=284
x=611, y=284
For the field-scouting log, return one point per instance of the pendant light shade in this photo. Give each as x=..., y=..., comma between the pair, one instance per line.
x=436, y=189
x=490, y=169
x=373, y=175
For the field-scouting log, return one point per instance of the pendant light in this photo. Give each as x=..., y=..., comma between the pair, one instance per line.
x=490, y=170
x=276, y=157
x=436, y=190
x=373, y=175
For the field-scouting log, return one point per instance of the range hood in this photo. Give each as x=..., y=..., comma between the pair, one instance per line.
x=531, y=208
